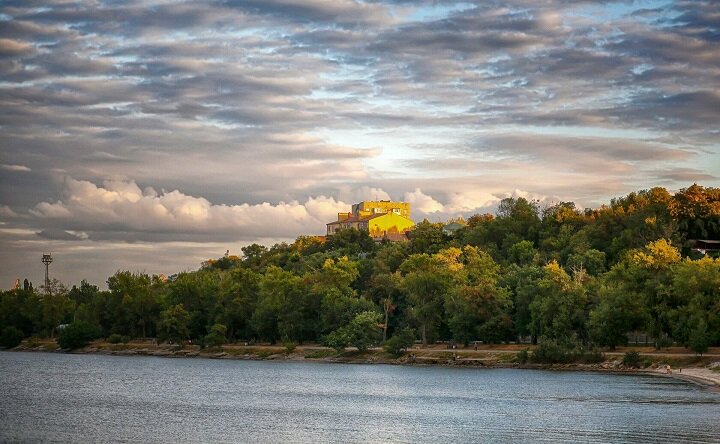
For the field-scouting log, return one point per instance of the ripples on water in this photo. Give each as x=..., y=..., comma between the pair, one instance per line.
x=92, y=398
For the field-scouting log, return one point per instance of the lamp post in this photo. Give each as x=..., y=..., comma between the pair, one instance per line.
x=47, y=260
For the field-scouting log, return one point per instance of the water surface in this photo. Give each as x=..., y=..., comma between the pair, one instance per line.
x=94, y=398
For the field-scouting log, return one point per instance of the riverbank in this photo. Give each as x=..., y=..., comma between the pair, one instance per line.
x=683, y=365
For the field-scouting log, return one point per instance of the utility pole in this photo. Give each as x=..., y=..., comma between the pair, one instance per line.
x=47, y=260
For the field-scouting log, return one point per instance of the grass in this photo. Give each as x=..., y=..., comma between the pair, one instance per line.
x=320, y=354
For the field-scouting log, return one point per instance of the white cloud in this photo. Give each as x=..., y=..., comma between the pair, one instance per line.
x=121, y=206
x=470, y=201
x=10, y=167
x=359, y=194
x=121, y=210
x=422, y=203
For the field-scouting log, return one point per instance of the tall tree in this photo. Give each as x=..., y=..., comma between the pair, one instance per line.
x=426, y=279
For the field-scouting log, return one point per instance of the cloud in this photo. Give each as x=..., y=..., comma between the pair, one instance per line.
x=456, y=204
x=122, y=207
x=9, y=167
x=243, y=109
x=686, y=175
x=422, y=203
x=7, y=213
x=61, y=235
x=119, y=210
x=12, y=48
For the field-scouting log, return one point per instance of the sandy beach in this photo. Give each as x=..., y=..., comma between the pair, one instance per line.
x=700, y=375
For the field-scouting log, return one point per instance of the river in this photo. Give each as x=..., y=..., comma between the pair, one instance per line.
x=93, y=398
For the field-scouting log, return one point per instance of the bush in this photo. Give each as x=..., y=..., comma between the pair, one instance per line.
x=631, y=359
x=663, y=342
x=523, y=356
x=592, y=357
x=362, y=332
x=400, y=342
x=289, y=347
x=699, y=340
x=117, y=339
x=216, y=336
x=337, y=340
x=114, y=338
x=319, y=354
x=10, y=337
x=76, y=335
x=552, y=352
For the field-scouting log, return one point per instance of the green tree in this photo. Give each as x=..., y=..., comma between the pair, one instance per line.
x=522, y=253
x=400, y=342
x=476, y=307
x=10, y=337
x=593, y=261
x=83, y=294
x=139, y=302
x=77, y=334
x=253, y=255
x=558, y=311
x=238, y=295
x=362, y=332
x=522, y=282
x=216, y=336
x=647, y=273
x=199, y=293
x=426, y=279
x=284, y=309
x=351, y=242
x=384, y=288
x=174, y=324
x=57, y=309
x=699, y=340
x=696, y=300
x=331, y=285
x=427, y=238
x=697, y=210
x=617, y=314
x=21, y=309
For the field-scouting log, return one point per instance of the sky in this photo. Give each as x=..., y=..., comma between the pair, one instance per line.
x=153, y=135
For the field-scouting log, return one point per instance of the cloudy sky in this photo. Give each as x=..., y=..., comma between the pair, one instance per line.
x=153, y=135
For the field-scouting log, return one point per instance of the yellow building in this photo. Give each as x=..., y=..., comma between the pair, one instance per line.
x=382, y=219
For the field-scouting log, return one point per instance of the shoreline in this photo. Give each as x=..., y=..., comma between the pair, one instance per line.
x=698, y=375
x=488, y=358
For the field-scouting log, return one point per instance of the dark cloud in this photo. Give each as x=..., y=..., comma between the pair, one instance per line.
x=54, y=234
x=687, y=175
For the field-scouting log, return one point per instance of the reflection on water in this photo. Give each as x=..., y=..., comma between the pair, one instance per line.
x=89, y=398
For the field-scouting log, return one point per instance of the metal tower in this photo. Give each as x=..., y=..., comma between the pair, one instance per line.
x=47, y=260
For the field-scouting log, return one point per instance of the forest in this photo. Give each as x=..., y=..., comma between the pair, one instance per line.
x=570, y=280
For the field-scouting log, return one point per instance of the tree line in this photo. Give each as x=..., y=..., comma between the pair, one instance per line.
x=565, y=278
